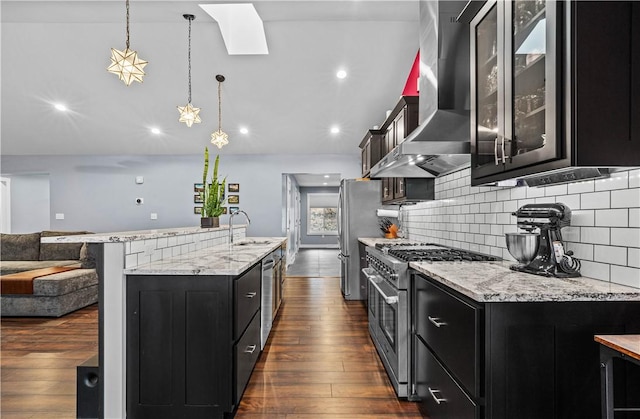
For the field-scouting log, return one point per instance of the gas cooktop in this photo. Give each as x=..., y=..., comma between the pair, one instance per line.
x=427, y=252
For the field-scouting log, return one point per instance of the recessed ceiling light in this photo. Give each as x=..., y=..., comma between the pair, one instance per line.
x=341, y=74
x=244, y=130
x=335, y=130
x=324, y=183
x=326, y=176
x=155, y=131
x=61, y=107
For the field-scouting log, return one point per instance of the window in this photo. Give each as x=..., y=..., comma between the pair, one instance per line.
x=322, y=214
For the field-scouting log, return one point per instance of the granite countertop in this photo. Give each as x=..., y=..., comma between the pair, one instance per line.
x=126, y=236
x=224, y=259
x=491, y=282
x=372, y=241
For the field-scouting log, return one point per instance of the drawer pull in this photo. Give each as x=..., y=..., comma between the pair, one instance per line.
x=250, y=349
x=433, y=392
x=436, y=322
x=251, y=294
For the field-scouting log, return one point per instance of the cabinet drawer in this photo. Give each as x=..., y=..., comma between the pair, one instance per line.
x=247, y=351
x=441, y=396
x=451, y=328
x=247, y=299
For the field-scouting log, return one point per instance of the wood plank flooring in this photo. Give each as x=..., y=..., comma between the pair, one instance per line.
x=38, y=363
x=319, y=362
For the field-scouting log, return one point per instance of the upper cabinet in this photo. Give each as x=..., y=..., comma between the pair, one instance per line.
x=373, y=149
x=552, y=87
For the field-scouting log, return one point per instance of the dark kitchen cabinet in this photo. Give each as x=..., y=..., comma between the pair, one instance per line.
x=192, y=343
x=553, y=87
x=398, y=125
x=514, y=359
x=373, y=149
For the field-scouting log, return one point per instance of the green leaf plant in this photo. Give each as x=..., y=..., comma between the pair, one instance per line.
x=213, y=191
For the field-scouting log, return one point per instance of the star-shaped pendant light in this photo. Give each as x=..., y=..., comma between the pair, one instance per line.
x=126, y=64
x=219, y=138
x=189, y=114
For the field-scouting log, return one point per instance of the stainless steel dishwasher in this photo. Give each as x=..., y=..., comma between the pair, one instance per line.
x=266, y=309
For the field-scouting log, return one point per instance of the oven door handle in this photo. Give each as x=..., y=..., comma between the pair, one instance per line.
x=391, y=300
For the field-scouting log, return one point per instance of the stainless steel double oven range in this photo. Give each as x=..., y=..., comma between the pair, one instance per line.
x=389, y=302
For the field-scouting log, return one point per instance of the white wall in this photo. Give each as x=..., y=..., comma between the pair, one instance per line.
x=97, y=193
x=30, y=206
x=604, y=232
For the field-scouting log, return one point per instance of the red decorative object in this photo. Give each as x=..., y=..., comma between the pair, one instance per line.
x=411, y=86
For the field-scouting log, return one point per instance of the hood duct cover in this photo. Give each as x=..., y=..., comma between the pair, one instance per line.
x=441, y=142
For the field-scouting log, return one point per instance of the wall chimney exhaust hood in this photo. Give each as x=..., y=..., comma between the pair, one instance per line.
x=441, y=142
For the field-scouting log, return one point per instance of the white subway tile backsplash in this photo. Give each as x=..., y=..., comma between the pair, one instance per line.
x=634, y=217
x=137, y=246
x=629, y=237
x=556, y=190
x=634, y=178
x=625, y=198
x=633, y=257
x=625, y=275
x=612, y=218
x=595, y=200
x=610, y=254
x=596, y=235
x=604, y=232
x=595, y=270
x=584, y=218
x=618, y=180
x=581, y=187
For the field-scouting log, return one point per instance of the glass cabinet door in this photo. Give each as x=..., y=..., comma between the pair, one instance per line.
x=530, y=131
x=486, y=91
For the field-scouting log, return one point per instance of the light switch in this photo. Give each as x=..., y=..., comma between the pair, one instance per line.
x=154, y=216
x=139, y=180
x=59, y=216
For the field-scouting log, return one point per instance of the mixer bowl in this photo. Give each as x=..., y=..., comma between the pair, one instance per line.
x=523, y=246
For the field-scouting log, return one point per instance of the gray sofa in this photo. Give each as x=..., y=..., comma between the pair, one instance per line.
x=53, y=295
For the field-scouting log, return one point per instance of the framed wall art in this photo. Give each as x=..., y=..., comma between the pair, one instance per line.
x=197, y=210
x=197, y=198
x=234, y=187
x=233, y=199
x=233, y=209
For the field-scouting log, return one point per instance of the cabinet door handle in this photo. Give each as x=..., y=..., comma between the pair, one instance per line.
x=495, y=150
x=503, y=158
x=433, y=392
x=436, y=322
x=251, y=294
x=250, y=349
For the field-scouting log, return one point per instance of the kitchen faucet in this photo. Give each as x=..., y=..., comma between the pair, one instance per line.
x=231, y=223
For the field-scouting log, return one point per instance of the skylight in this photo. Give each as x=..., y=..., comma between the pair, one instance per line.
x=241, y=27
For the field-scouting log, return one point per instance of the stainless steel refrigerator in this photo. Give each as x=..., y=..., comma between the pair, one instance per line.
x=357, y=204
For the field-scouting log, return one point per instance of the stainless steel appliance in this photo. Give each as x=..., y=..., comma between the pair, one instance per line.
x=357, y=204
x=271, y=293
x=389, y=308
x=550, y=258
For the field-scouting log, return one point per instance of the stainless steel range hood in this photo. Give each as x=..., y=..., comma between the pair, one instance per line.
x=441, y=142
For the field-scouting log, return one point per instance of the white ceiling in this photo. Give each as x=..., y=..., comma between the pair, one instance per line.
x=58, y=51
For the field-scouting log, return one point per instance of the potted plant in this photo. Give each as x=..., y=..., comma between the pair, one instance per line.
x=212, y=194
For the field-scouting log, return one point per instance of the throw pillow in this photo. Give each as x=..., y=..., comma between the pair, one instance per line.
x=19, y=246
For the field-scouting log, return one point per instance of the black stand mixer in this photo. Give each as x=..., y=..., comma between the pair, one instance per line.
x=550, y=258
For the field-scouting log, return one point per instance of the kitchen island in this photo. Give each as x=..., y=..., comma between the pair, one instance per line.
x=497, y=343
x=193, y=251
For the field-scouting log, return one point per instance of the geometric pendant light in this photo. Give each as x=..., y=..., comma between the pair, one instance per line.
x=188, y=114
x=126, y=64
x=219, y=138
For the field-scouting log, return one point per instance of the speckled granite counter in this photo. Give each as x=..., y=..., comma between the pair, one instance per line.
x=491, y=282
x=128, y=236
x=372, y=241
x=225, y=259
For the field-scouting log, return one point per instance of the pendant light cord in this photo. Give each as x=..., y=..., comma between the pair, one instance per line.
x=127, y=3
x=219, y=108
x=189, y=58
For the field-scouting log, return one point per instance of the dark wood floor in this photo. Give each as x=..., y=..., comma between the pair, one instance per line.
x=318, y=363
x=39, y=359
